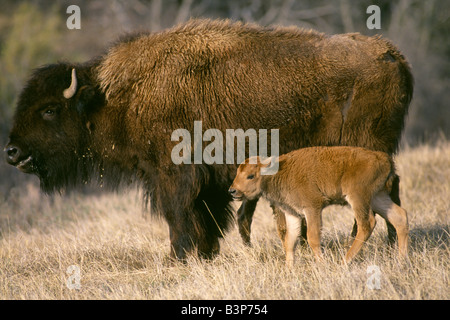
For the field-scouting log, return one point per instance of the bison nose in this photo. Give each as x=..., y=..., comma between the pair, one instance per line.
x=232, y=191
x=12, y=154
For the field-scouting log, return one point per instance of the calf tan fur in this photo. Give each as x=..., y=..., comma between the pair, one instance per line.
x=310, y=179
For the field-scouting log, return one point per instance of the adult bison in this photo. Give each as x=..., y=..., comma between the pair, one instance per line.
x=112, y=117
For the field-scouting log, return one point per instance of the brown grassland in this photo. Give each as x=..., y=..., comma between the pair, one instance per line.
x=122, y=253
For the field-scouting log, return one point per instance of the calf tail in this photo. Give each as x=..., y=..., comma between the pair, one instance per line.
x=392, y=184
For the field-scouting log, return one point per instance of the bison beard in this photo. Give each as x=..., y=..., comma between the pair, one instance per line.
x=112, y=117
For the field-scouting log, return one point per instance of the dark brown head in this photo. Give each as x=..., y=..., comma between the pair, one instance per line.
x=49, y=133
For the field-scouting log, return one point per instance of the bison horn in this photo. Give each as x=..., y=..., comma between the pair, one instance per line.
x=70, y=91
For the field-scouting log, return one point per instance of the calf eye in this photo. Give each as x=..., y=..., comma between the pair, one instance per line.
x=250, y=176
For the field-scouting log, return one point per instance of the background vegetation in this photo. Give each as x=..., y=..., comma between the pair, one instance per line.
x=122, y=255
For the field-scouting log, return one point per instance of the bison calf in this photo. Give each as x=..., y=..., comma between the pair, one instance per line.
x=310, y=179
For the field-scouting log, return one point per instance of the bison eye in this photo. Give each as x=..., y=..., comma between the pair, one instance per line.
x=49, y=113
x=250, y=176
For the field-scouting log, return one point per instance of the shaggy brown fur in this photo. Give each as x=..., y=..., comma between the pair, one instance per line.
x=316, y=89
x=310, y=179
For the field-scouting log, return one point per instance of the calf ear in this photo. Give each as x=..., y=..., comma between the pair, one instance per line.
x=269, y=166
x=267, y=161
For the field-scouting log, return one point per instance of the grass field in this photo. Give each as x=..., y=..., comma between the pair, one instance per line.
x=117, y=252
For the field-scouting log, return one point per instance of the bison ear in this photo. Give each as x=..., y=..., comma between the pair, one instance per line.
x=88, y=100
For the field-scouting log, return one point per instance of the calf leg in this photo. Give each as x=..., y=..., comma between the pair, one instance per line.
x=303, y=231
x=280, y=221
x=245, y=217
x=395, y=197
x=291, y=237
x=314, y=223
x=365, y=220
x=395, y=215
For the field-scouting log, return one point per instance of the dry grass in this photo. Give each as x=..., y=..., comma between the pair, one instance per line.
x=122, y=254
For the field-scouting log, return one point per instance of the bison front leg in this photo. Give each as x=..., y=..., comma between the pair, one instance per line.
x=180, y=243
x=189, y=236
x=183, y=245
x=199, y=227
x=198, y=215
